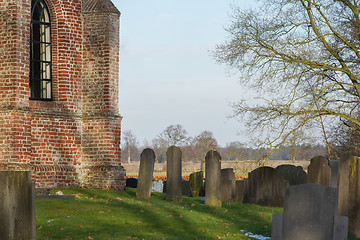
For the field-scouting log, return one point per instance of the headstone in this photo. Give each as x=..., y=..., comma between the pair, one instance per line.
x=185, y=187
x=147, y=161
x=319, y=171
x=173, y=173
x=334, y=166
x=212, y=178
x=276, y=226
x=227, y=185
x=17, y=208
x=294, y=174
x=157, y=186
x=340, y=228
x=266, y=187
x=239, y=190
x=196, y=181
x=309, y=212
x=349, y=192
x=131, y=182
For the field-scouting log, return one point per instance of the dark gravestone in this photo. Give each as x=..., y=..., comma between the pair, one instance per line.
x=266, y=187
x=309, y=212
x=294, y=174
x=239, y=190
x=227, y=185
x=173, y=173
x=196, y=181
x=202, y=190
x=212, y=178
x=319, y=171
x=131, y=182
x=146, y=170
x=17, y=206
x=185, y=188
x=349, y=192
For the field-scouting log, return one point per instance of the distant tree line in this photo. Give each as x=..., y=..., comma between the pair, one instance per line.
x=195, y=148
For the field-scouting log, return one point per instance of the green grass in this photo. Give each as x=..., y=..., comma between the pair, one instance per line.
x=100, y=214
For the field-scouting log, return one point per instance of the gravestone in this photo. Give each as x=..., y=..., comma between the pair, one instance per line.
x=334, y=166
x=157, y=186
x=294, y=174
x=173, y=173
x=276, y=226
x=349, y=192
x=265, y=186
x=185, y=187
x=196, y=181
x=212, y=178
x=227, y=185
x=17, y=206
x=319, y=171
x=131, y=182
x=239, y=190
x=341, y=226
x=310, y=214
x=147, y=160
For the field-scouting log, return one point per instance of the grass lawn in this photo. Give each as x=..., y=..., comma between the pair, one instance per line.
x=99, y=214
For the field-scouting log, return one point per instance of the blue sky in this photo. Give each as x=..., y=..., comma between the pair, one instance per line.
x=167, y=75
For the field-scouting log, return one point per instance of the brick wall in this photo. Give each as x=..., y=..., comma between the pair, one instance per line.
x=73, y=140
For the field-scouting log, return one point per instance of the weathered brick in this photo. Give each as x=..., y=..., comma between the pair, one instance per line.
x=73, y=140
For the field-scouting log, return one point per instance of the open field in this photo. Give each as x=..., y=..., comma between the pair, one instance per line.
x=241, y=168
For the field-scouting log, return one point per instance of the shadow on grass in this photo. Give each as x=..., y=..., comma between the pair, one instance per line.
x=97, y=214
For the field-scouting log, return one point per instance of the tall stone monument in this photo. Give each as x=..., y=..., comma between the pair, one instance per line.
x=173, y=173
x=147, y=160
x=212, y=178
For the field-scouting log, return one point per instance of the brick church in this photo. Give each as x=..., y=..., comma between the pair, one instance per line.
x=59, y=114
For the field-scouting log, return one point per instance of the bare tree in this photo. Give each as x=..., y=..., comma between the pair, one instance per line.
x=302, y=58
x=173, y=135
x=130, y=146
x=203, y=143
x=235, y=151
x=345, y=138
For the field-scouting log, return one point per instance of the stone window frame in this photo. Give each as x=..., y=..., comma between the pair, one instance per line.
x=40, y=78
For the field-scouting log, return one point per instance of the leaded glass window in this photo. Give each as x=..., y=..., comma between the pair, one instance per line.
x=40, y=52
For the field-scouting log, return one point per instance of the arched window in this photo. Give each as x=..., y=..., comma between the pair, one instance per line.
x=40, y=52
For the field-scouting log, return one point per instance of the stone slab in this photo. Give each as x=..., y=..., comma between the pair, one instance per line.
x=340, y=228
x=265, y=186
x=212, y=179
x=276, y=226
x=146, y=170
x=319, y=171
x=17, y=206
x=294, y=174
x=309, y=212
x=173, y=173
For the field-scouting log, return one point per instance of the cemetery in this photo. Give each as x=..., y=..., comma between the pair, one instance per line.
x=61, y=173
x=318, y=204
